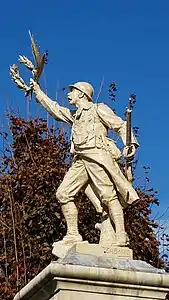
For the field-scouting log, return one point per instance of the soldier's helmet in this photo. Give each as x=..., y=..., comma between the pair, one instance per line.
x=84, y=87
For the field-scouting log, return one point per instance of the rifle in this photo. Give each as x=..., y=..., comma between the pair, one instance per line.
x=128, y=164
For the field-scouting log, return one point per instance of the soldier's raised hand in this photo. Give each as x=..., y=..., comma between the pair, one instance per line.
x=34, y=85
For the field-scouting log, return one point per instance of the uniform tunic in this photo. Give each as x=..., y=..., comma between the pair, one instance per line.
x=96, y=156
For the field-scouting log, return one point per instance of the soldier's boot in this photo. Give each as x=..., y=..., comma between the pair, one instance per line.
x=116, y=215
x=71, y=215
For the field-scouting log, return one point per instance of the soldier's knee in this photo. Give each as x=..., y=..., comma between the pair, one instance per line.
x=107, y=199
x=62, y=196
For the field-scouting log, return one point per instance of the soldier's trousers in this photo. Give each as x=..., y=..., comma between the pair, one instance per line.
x=79, y=175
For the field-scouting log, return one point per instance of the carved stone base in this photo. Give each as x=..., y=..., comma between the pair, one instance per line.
x=61, y=249
x=98, y=250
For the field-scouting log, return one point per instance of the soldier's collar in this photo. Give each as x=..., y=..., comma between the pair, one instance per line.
x=87, y=105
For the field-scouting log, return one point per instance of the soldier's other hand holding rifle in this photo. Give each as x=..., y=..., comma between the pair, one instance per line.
x=129, y=151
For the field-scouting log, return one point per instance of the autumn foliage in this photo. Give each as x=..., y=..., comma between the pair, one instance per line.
x=32, y=167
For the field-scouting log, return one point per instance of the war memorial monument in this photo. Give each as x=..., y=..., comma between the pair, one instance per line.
x=82, y=270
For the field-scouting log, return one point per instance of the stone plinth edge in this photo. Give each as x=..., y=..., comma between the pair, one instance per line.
x=95, y=276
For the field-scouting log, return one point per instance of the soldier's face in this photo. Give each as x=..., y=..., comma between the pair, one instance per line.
x=73, y=97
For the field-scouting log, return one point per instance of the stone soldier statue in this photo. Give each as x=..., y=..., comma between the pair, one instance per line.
x=94, y=168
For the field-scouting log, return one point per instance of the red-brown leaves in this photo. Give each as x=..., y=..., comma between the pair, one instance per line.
x=31, y=169
x=140, y=228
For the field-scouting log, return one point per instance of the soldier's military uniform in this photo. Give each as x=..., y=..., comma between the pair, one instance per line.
x=95, y=156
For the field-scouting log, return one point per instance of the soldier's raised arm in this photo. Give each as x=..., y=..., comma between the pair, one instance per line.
x=53, y=108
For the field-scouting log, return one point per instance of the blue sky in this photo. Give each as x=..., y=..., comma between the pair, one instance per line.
x=124, y=41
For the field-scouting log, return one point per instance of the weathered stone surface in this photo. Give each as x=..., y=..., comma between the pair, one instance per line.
x=96, y=278
x=76, y=258
x=61, y=249
x=98, y=250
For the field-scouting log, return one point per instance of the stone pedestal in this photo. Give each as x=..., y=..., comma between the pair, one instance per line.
x=60, y=250
x=96, y=277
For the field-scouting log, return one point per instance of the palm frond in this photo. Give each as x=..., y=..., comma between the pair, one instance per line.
x=40, y=67
x=35, y=50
